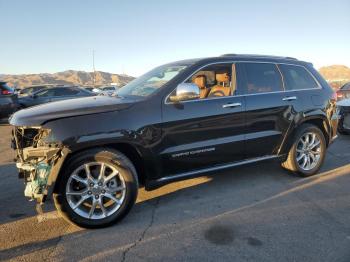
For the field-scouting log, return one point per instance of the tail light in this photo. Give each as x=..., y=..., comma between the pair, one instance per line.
x=6, y=92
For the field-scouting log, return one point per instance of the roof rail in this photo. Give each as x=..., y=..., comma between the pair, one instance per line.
x=260, y=56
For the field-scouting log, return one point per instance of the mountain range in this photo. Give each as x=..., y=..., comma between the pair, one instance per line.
x=69, y=77
x=72, y=77
x=335, y=72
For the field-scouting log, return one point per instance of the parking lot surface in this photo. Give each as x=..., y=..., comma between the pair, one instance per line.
x=252, y=213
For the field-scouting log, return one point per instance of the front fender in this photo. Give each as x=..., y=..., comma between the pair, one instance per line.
x=107, y=130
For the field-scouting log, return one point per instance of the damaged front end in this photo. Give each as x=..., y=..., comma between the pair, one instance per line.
x=37, y=159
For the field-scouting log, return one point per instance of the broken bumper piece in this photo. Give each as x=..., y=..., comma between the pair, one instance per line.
x=37, y=165
x=38, y=161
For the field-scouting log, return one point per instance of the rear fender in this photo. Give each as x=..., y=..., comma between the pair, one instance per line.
x=317, y=118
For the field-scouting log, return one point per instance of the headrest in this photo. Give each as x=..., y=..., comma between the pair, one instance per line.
x=201, y=81
x=222, y=77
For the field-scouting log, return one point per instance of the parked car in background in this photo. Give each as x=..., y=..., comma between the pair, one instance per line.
x=344, y=92
x=31, y=89
x=16, y=90
x=344, y=112
x=8, y=100
x=109, y=90
x=93, y=89
x=50, y=94
x=180, y=120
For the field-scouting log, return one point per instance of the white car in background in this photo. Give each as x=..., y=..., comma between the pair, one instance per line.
x=109, y=90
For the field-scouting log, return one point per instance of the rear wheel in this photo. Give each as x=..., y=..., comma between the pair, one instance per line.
x=97, y=188
x=307, y=152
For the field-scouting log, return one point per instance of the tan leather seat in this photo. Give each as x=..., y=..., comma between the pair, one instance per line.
x=201, y=82
x=223, y=85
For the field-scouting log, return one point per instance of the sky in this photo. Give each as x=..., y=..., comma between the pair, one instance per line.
x=133, y=36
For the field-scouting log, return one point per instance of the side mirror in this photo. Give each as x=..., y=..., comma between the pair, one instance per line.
x=34, y=96
x=185, y=91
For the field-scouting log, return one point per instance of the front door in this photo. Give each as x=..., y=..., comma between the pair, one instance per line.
x=206, y=132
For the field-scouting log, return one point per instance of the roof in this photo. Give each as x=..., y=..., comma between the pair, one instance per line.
x=260, y=56
x=240, y=57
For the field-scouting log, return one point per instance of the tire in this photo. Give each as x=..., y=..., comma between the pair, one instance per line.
x=297, y=150
x=81, y=180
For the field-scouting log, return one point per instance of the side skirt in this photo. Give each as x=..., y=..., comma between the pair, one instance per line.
x=199, y=172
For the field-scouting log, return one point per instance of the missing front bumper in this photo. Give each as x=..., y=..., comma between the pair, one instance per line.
x=36, y=166
x=37, y=160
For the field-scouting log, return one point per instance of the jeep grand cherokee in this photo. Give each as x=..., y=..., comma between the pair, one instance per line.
x=177, y=121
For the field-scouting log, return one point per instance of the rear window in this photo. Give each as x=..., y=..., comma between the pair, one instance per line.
x=297, y=77
x=261, y=78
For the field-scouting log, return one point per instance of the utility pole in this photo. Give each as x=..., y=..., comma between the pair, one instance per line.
x=93, y=66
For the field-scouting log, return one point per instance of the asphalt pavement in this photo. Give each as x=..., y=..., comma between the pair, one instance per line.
x=257, y=212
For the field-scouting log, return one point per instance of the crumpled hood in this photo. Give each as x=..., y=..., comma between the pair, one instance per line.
x=37, y=115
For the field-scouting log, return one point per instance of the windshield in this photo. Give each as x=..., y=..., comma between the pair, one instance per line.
x=150, y=82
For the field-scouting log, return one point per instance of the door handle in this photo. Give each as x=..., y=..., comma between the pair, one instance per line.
x=231, y=105
x=289, y=98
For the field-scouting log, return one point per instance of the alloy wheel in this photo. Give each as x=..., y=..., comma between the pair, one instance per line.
x=309, y=150
x=95, y=190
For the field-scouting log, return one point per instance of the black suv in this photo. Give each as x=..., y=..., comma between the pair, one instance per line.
x=177, y=121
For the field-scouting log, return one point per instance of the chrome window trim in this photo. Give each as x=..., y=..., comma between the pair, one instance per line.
x=166, y=102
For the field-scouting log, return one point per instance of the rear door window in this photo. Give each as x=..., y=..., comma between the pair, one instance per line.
x=260, y=78
x=297, y=77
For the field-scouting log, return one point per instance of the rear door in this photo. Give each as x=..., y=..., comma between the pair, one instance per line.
x=270, y=109
x=202, y=133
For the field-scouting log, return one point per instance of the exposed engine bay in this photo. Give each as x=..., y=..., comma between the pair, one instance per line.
x=35, y=159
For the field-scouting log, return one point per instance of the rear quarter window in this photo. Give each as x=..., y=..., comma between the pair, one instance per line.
x=297, y=77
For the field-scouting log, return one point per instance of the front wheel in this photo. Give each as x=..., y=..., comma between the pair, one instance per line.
x=307, y=152
x=97, y=188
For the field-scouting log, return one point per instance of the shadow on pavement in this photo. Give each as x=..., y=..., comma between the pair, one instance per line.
x=28, y=233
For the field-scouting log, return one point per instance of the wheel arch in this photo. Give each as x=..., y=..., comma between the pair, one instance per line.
x=319, y=120
x=130, y=151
